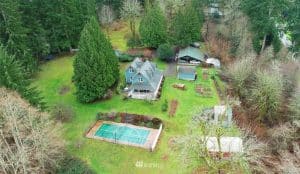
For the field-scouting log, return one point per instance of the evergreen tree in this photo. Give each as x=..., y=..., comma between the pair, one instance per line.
x=153, y=27
x=293, y=21
x=264, y=14
x=186, y=26
x=64, y=20
x=12, y=76
x=36, y=36
x=165, y=52
x=14, y=35
x=95, y=65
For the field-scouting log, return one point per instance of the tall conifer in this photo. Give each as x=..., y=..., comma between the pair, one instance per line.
x=12, y=76
x=13, y=35
x=95, y=65
x=153, y=27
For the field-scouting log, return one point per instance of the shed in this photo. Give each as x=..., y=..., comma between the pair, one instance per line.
x=186, y=73
x=190, y=55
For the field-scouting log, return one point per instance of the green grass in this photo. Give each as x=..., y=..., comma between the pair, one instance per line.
x=105, y=157
x=160, y=64
x=118, y=38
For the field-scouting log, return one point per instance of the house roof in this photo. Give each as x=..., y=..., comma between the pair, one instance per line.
x=186, y=72
x=228, y=144
x=191, y=52
x=149, y=71
x=187, y=69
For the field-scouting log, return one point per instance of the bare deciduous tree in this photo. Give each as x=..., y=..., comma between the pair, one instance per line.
x=170, y=7
x=106, y=17
x=131, y=10
x=28, y=141
x=193, y=148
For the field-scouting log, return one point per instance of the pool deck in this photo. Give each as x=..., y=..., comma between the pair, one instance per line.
x=147, y=145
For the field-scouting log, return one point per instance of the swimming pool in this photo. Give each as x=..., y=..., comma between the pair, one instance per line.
x=123, y=133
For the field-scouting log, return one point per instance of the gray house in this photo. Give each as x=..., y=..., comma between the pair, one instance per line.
x=144, y=79
x=191, y=56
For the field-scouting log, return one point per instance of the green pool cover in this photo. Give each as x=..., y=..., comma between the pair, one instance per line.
x=123, y=133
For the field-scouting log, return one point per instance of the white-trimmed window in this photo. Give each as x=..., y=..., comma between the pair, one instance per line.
x=141, y=79
x=131, y=70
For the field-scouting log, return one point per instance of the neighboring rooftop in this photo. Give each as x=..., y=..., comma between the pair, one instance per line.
x=192, y=52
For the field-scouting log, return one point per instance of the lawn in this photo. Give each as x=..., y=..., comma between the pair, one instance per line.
x=118, y=36
x=105, y=157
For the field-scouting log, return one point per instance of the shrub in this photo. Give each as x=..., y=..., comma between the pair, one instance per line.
x=149, y=124
x=165, y=52
x=240, y=71
x=281, y=137
x=125, y=58
x=266, y=94
x=62, y=112
x=164, y=107
x=72, y=165
x=121, y=86
x=133, y=42
x=117, y=119
x=294, y=107
x=256, y=44
x=234, y=42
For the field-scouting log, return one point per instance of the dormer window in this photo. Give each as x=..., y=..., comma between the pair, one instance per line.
x=131, y=70
x=141, y=79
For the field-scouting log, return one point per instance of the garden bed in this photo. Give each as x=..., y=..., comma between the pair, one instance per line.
x=203, y=90
x=173, y=108
x=134, y=119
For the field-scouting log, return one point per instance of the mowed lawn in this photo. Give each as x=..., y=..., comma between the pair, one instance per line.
x=106, y=157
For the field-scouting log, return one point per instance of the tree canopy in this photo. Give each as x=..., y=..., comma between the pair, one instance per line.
x=13, y=76
x=95, y=65
x=153, y=27
x=14, y=35
x=264, y=15
x=186, y=26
